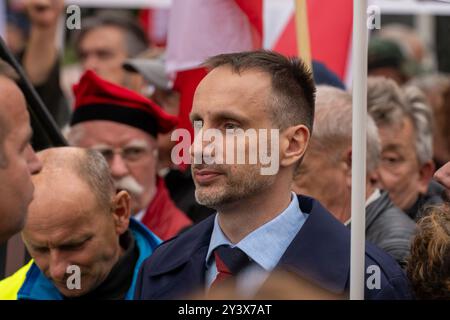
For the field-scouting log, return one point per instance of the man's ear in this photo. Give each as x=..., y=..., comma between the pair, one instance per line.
x=347, y=163
x=425, y=175
x=293, y=143
x=121, y=211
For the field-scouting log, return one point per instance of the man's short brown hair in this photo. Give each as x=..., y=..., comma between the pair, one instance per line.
x=293, y=87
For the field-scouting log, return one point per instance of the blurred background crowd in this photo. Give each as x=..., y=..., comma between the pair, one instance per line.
x=155, y=52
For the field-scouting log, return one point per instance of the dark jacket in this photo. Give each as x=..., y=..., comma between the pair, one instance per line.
x=320, y=253
x=389, y=228
x=432, y=197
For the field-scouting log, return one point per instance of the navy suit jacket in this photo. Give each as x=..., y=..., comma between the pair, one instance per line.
x=320, y=252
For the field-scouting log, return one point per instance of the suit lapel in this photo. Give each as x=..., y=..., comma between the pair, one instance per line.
x=185, y=267
x=321, y=250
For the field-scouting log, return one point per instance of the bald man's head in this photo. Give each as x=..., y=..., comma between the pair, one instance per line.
x=88, y=166
x=75, y=218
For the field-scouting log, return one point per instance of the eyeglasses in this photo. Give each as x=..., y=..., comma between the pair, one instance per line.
x=128, y=154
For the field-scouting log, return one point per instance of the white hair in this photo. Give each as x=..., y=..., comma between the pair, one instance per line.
x=333, y=124
x=389, y=105
x=422, y=117
x=73, y=134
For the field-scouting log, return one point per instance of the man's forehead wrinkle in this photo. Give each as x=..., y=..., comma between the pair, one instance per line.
x=231, y=95
x=55, y=237
x=51, y=224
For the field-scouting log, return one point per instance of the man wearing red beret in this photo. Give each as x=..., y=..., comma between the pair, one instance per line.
x=123, y=126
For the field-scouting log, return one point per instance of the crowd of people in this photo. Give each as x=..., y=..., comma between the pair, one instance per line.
x=114, y=204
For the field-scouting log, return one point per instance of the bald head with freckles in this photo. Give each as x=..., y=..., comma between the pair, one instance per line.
x=75, y=218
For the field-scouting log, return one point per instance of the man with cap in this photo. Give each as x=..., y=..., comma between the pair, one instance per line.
x=385, y=58
x=123, y=126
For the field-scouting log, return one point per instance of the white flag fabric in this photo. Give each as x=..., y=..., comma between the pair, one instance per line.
x=199, y=29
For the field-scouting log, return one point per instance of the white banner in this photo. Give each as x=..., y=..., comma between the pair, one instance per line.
x=412, y=7
x=132, y=4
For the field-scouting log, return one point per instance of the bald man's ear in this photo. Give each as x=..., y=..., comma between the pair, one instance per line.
x=121, y=211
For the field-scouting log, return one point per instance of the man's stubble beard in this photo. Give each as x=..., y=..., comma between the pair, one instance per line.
x=237, y=186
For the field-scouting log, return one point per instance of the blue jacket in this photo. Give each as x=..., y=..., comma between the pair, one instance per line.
x=320, y=253
x=37, y=287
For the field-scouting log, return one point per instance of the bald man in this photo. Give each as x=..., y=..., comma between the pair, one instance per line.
x=78, y=226
x=17, y=158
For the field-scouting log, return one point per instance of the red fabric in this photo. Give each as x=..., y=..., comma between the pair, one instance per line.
x=94, y=90
x=162, y=216
x=154, y=22
x=187, y=80
x=144, y=18
x=253, y=9
x=223, y=273
x=186, y=83
x=330, y=28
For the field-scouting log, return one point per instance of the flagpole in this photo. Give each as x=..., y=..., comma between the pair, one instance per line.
x=358, y=224
x=302, y=28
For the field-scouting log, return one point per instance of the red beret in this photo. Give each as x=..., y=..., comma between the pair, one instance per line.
x=98, y=99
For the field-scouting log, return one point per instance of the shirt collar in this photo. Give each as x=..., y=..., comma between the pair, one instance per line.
x=267, y=244
x=373, y=197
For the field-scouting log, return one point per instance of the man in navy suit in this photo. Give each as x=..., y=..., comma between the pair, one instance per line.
x=258, y=217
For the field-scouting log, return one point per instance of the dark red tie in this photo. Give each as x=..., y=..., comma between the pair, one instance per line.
x=229, y=262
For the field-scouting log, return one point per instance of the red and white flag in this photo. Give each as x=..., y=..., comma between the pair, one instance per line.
x=199, y=29
x=330, y=31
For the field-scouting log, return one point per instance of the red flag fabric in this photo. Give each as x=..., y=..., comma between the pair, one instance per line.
x=185, y=83
x=330, y=27
x=199, y=29
x=253, y=9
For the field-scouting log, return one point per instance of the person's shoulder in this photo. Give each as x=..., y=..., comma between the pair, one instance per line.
x=10, y=286
x=387, y=272
x=394, y=219
x=182, y=246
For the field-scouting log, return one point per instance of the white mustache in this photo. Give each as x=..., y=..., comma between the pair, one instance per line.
x=129, y=184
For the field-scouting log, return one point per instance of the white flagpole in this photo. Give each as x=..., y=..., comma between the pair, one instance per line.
x=358, y=225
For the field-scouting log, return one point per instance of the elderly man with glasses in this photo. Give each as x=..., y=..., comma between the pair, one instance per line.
x=123, y=126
